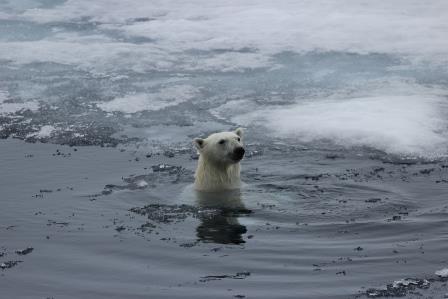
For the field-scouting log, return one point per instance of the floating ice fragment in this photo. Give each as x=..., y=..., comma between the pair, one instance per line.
x=25, y=251
x=165, y=167
x=442, y=273
x=9, y=264
x=142, y=184
x=409, y=281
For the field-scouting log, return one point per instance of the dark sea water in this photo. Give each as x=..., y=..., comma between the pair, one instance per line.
x=344, y=107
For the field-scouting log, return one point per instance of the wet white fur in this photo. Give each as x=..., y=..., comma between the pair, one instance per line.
x=216, y=171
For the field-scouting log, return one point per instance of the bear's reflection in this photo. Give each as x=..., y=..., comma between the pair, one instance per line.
x=221, y=226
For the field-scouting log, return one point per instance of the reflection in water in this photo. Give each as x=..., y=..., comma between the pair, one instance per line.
x=222, y=226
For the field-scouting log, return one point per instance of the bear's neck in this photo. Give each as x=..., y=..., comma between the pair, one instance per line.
x=213, y=177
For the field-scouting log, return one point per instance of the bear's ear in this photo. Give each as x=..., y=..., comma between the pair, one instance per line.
x=199, y=143
x=239, y=132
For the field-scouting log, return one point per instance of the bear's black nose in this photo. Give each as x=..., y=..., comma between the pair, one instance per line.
x=238, y=153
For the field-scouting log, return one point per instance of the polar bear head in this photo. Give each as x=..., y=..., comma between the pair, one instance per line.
x=224, y=148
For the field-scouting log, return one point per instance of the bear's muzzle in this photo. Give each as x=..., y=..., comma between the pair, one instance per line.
x=238, y=154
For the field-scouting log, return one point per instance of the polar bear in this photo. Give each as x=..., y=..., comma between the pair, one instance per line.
x=219, y=161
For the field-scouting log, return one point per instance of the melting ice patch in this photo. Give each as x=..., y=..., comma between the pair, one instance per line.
x=406, y=124
x=44, y=132
x=442, y=273
x=169, y=96
x=249, y=32
x=148, y=41
x=98, y=56
x=398, y=26
x=11, y=108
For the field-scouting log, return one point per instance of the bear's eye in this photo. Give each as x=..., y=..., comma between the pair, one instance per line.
x=222, y=141
x=239, y=139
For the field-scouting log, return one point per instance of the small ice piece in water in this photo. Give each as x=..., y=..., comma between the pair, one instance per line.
x=164, y=167
x=409, y=281
x=142, y=184
x=402, y=282
x=442, y=273
x=25, y=251
x=9, y=264
x=375, y=293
